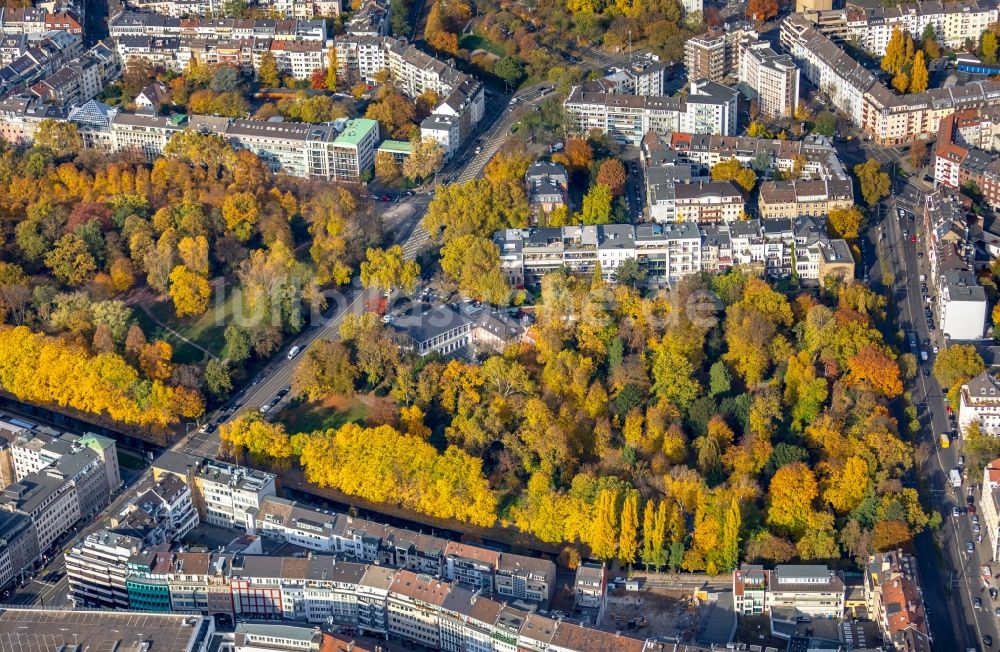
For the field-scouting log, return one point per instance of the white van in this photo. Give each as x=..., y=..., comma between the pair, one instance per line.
x=294, y=351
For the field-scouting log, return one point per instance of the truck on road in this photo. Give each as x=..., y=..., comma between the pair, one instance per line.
x=956, y=478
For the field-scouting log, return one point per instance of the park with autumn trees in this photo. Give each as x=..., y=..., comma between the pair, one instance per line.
x=141, y=292
x=719, y=422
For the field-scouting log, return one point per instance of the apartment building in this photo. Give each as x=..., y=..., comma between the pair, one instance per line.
x=34, y=20
x=790, y=199
x=814, y=157
x=715, y=55
x=96, y=568
x=979, y=402
x=414, y=607
x=989, y=507
x=371, y=19
x=871, y=27
x=590, y=585
x=888, y=118
x=774, y=78
x=705, y=56
x=231, y=495
x=895, y=600
x=82, y=79
x=525, y=578
x=965, y=152
x=18, y=546
x=670, y=251
x=708, y=108
x=750, y=589
x=169, y=504
x=131, y=23
x=641, y=76
x=342, y=151
x=462, y=101
x=962, y=306
x=288, y=521
x=808, y=590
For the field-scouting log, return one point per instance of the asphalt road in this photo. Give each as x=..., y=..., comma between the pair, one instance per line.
x=950, y=576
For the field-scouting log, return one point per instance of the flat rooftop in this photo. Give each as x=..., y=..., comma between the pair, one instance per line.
x=46, y=630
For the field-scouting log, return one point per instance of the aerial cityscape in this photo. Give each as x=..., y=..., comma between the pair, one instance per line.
x=499, y=325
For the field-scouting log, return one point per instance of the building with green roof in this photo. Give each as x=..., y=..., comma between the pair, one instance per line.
x=400, y=150
x=353, y=149
x=106, y=448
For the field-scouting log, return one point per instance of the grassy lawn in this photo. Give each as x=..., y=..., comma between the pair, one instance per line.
x=476, y=41
x=207, y=329
x=184, y=353
x=333, y=412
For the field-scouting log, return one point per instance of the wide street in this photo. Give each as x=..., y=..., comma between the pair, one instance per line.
x=950, y=576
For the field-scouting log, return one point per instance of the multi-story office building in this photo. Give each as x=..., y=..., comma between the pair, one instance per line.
x=50, y=502
x=979, y=402
x=288, y=521
x=895, y=600
x=232, y=495
x=774, y=77
x=96, y=568
x=147, y=579
x=708, y=108
x=18, y=546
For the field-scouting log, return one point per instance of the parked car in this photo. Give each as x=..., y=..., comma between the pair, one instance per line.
x=294, y=351
x=977, y=603
x=969, y=548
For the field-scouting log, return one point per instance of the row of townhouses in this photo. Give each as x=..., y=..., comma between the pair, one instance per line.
x=889, y=119
x=284, y=8
x=373, y=599
x=871, y=27
x=131, y=23
x=41, y=58
x=239, y=498
x=51, y=480
x=343, y=150
x=895, y=600
x=708, y=108
x=35, y=20
x=981, y=392
x=964, y=154
x=461, y=99
x=670, y=251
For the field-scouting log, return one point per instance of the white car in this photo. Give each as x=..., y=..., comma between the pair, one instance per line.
x=294, y=351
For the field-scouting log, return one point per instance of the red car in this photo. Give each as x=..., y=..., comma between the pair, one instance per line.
x=913, y=238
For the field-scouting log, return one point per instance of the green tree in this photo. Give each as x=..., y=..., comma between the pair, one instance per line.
x=596, y=205
x=237, y=343
x=267, y=72
x=957, y=364
x=673, y=373
x=729, y=550
x=217, y=378
x=874, y=182
x=70, y=261
x=510, y=70
x=720, y=381
x=474, y=263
